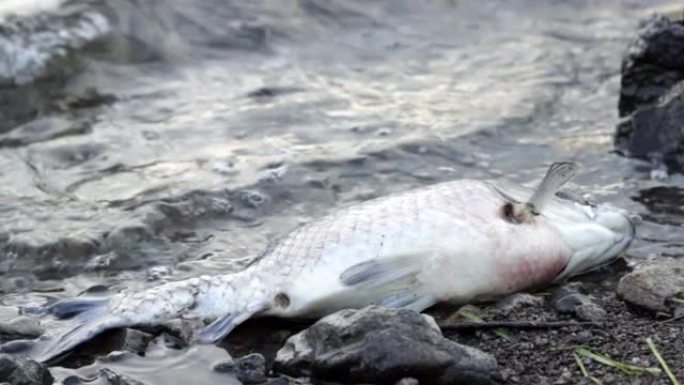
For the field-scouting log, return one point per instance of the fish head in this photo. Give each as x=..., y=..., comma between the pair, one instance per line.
x=595, y=234
x=596, y=239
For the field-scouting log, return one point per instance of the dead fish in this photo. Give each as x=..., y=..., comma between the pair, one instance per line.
x=454, y=242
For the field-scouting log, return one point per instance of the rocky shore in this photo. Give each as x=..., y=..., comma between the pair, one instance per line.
x=533, y=338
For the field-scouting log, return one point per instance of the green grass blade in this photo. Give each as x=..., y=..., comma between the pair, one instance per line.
x=586, y=374
x=623, y=367
x=662, y=362
x=470, y=316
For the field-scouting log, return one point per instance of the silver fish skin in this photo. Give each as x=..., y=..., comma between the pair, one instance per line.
x=447, y=242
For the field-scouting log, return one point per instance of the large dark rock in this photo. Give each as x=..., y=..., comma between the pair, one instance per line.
x=650, y=95
x=383, y=346
x=656, y=286
x=19, y=369
x=652, y=64
x=656, y=131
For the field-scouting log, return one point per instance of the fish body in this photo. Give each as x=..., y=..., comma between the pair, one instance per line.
x=446, y=243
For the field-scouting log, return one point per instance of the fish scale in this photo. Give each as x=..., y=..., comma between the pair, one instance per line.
x=449, y=242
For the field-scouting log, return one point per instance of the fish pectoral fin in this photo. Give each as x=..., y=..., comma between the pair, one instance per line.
x=408, y=299
x=383, y=271
x=220, y=328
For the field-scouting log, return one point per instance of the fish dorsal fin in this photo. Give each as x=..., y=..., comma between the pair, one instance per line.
x=556, y=177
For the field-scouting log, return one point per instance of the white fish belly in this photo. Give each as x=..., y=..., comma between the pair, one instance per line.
x=460, y=246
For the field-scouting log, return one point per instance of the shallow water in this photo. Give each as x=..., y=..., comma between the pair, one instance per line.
x=216, y=126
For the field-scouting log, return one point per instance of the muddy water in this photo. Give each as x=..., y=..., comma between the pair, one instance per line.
x=175, y=138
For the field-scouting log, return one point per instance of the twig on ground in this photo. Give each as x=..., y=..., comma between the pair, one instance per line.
x=476, y=320
x=456, y=326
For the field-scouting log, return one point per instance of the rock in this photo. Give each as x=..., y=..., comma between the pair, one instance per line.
x=569, y=303
x=20, y=328
x=652, y=64
x=568, y=288
x=590, y=312
x=568, y=300
x=19, y=369
x=517, y=301
x=136, y=341
x=250, y=369
x=650, y=95
x=183, y=329
x=656, y=132
x=277, y=381
x=382, y=346
x=104, y=377
x=654, y=285
x=288, y=381
x=408, y=381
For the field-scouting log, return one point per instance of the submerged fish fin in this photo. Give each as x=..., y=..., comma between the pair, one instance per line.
x=558, y=175
x=92, y=318
x=69, y=307
x=409, y=300
x=378, y=272
x=218, y=329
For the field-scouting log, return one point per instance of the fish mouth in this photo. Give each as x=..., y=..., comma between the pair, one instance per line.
x=615, y=233
x=628, y=235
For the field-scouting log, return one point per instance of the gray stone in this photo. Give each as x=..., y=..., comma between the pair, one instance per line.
x=655, y=286
x=568, y=300
x=590, y=312
x=136, y=341
x=183, y=329
x=569, y=303
x=517, y=301
x=250, y=369
x=277, y=381
x=19, y=369
x=104, y=377
x=382, y=346
x=20, y=328
x=408, y=381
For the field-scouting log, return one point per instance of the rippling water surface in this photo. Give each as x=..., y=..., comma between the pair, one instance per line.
x=176, y=137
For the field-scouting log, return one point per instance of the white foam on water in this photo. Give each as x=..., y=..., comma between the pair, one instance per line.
x=26, y=7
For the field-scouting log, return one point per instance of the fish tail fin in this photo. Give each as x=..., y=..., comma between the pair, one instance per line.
x=234, y=298
x=88, y=318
